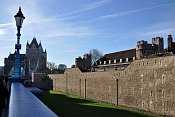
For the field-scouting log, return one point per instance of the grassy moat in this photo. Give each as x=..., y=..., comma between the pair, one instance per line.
x=66, y=105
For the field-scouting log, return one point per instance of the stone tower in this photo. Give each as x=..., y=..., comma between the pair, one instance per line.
x=87, y=61
x=170, y=40
x=84, y=64
x=171, y=44
x=144, y=49
x=158, y=41
x=140, y=49
x=36, y=57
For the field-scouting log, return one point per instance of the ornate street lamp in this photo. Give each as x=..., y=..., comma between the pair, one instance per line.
x=19, y=17
x=16, y=73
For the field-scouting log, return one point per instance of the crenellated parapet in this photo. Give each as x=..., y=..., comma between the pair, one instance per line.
x=144, y=49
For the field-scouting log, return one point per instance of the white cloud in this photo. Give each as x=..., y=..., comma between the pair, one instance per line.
x=73, y=30
x=7, y=25
x=73, y=34
x=1, y=32
x=160, y=32
x=90, y=6
x=36, y=23
x=124, y=13
x=163, y=28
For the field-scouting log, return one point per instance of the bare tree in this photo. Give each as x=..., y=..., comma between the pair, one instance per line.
x=51, y=65
x=95, y=55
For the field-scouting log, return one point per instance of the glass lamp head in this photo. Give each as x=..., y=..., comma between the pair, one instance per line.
x=19, y=17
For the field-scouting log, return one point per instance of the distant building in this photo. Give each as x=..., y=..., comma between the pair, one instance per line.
x=84, y=64
x=120, y=60
x=33, y=61
x=1, y=70
x=116, y=60
x=36, y=56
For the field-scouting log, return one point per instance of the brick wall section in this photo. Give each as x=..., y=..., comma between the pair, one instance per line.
x=147, y=84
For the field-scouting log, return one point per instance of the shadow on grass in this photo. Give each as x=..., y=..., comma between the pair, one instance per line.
x=66, y=106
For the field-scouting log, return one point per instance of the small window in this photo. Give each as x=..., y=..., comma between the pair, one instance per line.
x=165, y=60
x=93, y=86
x=120, y=60
x=104, y=62
x=141, y=91
x=126, y=59
x=109, y=61
x=151, y=93
x=160, y=61
x=143, y=104
x=125, y=72
x=147, y=63
x=141, y=78
x=163, y=78
x=151, y=104
x=163, y=93
x=133, y=90
x=115, y=61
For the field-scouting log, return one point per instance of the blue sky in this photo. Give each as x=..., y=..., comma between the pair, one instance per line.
x=70, y=28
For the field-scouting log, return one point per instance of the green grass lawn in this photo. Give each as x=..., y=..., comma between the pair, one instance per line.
x=66, y=105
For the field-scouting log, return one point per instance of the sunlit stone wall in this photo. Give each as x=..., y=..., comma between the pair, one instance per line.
x=147, y=84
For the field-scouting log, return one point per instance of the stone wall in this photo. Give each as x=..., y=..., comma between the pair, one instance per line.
x=147, y=84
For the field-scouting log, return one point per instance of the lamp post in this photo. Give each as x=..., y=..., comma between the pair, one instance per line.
x=16, y=73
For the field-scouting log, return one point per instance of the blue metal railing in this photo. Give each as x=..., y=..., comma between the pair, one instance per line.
x=24, y=104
